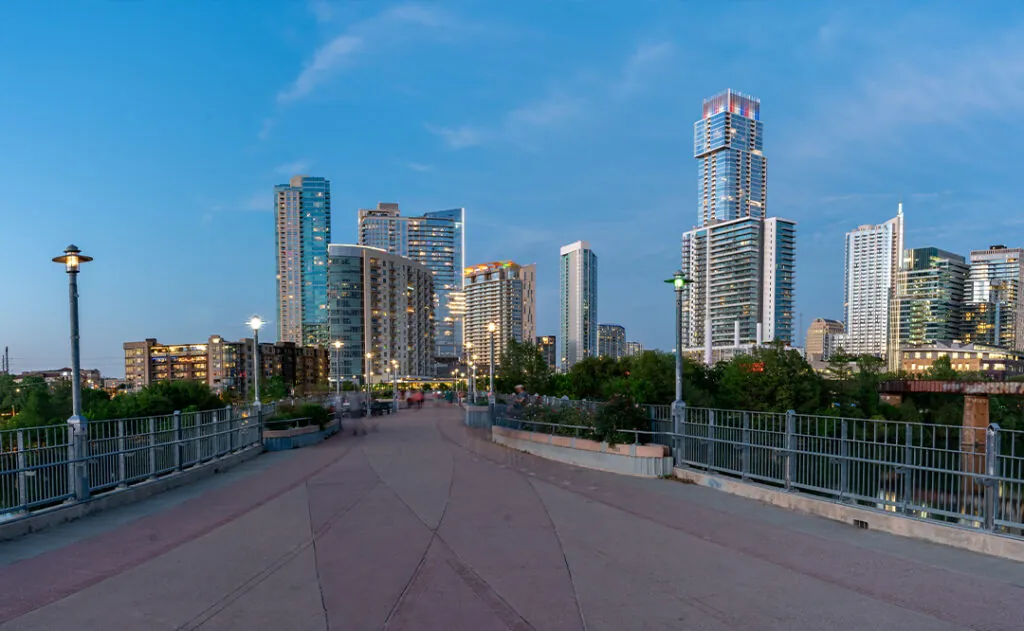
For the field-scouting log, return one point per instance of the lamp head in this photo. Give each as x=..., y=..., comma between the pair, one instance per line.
x=72, y=259
x=492, y=327
x=338, y=343
x=678, y=280
x=255, y=323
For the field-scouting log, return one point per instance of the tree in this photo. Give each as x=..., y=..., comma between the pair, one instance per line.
x=770, y=379
x=941, y=370
x=523, y=363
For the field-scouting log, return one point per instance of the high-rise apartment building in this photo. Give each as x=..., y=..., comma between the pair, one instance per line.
x=816, y=345
x=740, y=263
x=437, y=240
x=611, y=341
x=503, y=293
x=741, y=288
x=930, y=297
x=994, y=310
x=872, y=262
x=548, y=347
x=732, y=172
x=379, y=303
x=634, y=349
x=577, y=272
x=303, y=211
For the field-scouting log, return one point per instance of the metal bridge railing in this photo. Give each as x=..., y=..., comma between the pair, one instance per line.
x=39, y=467
x=970, y=477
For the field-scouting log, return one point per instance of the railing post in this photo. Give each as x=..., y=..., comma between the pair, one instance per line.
x=678, y=429
x=745, y=454
x=122, y=464
x=78, y=461
x=711, y=440
x=176, y=433
x=992, y=474
x=152, y=448
x=908, y=471
x=22, y=472
x=790, y=448
x=844, y=461
x=230, y=428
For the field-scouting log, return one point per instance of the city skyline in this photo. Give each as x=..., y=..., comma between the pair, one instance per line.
x=605, y=156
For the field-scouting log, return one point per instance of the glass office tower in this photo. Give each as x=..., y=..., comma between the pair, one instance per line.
x=303, y=224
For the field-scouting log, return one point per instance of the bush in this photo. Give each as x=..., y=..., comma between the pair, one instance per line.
x=619, y=413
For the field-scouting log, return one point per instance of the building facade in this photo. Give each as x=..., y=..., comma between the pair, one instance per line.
x=732, y=170
x=382, y=304
x=930, y=297
x=548, y=347
x=994, y=310
x=742, y=276
x=224, y=365
x=873, y=254
x=89, y=377
x=740, y=263
x=303, y=221
x=503, y=293
x=816, y=344
x=997, y=363
x=577, y=304
x=611, y=341
x=437, y=240
x=634, y=349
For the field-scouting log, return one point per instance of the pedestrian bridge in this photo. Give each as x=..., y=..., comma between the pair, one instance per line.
x=423, y=523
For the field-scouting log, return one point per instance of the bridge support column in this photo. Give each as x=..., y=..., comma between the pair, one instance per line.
x=972, y=448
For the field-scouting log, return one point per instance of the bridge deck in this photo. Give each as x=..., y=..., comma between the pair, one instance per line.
x=421, y=524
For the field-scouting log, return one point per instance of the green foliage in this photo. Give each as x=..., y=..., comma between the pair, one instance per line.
x=288, y=415
x=620, y=413
x=523, y=363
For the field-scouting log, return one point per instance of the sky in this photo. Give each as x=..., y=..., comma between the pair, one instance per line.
x=151, y=134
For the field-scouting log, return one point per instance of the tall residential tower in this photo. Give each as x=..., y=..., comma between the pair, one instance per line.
x=437, y=240
x=303, y=211
x=741, y=264
x=577, y=337
x=873, y=256
x=503, y=293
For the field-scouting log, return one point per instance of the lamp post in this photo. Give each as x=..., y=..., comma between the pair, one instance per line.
x=394, y=384
x=255, y=323
x=337, y=357
x=491, y=328
x=366, y=370
x=78, y=468
x=679, y=282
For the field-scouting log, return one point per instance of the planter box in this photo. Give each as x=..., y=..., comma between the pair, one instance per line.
x=641, y=460
x=478, y=416
x=280, y=440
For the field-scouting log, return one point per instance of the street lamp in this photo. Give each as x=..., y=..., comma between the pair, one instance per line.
x=72, y=261
x=394, y=384
x=679, y=281
x=491, y=328
x=337, y=357
x=366, y=370
x=255, y=323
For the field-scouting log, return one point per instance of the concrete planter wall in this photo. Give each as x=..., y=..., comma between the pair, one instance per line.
x=280, y=440
x=478, y=416
x=641, y=460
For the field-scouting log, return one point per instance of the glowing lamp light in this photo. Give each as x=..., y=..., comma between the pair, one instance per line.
x=492, y=327
x=338, y=344
x=72, y=259
x=255, y=323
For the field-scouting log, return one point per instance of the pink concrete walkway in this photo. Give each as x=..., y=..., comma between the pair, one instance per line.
x=422, y=524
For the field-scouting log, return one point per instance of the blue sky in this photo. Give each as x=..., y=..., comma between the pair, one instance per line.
x=151, y=134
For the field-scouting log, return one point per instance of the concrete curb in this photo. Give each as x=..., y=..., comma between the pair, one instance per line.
x=641, y=466
x=39, y=520
x=975, y=541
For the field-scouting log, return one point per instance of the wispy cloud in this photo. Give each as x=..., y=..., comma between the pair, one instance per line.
x=322, y=10
x=560, y=107
x=918, y=87
x=342, y=50
x=298, y=167
x=416, y=166
x=265, y=128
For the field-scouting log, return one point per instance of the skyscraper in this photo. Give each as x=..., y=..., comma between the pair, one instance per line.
x=436, y=239
x=303, y=212
x=994, y=313
x=816, y=346
x=741, y=264
x=732, y=172
x=548, y=347
x=382, y=304
x=505, y=293
x=873, y=254
x=930, y=297
x=578, y=303
x=611, y=341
